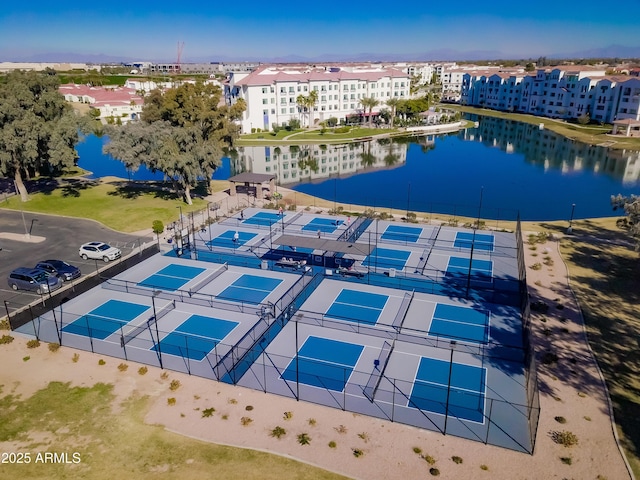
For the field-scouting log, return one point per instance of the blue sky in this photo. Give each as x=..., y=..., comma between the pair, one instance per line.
x=151, y=30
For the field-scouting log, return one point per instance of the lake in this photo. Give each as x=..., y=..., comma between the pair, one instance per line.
x=513, y=166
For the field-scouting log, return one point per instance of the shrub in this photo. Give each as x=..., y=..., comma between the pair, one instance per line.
x=101, y=362
x=565, y=438
x=171, y=401
x=429, y=459
x=143, y=370
x=245, y=421
x=288, y=415
x=35, y=343
x=248, y=408
x=225, y=417
x=332, y=444
x=536, y=266
x=208, y=412
x=174, y=385
x=157, y=226
x=232, y=401
x=484, y=467
x=26, y=359
x=54, y=347
x=364, y=436
x=4, y=324
x=456, y=459
x=357, y=452
x=123, y=367
x=434, y=471
x=560, y=419
x=587, y=418
x=566, y=460
x=75, y=358
x=341, y=429
x=312, y=422
x=417, y=450
x=164, y=375
x=304, y=439
x=6, y=339
x=278, y=432
x=549, y=357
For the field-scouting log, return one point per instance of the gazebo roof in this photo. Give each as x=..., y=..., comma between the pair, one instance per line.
x=249, y=177
x=627, y=121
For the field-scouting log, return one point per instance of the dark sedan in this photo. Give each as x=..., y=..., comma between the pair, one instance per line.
x=59, y=268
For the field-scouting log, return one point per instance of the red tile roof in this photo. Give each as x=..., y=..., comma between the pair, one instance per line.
x=269, y=76
x=102, y=95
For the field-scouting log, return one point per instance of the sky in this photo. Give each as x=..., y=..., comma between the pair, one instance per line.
x=151, y=30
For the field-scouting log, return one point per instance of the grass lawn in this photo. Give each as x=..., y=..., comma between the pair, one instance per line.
x=61, y=418
x=590, y=134
x=606, y=279
x=268, y=135
x=112, y=202
x=311, y=136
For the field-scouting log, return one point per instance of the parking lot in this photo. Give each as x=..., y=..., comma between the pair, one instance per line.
x=62, y=238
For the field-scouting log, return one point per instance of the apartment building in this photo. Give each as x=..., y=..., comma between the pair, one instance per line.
x=271, y=93
x=113, y=103
x=561, y=92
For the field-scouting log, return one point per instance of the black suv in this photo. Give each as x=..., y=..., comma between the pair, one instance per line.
x=62, y=269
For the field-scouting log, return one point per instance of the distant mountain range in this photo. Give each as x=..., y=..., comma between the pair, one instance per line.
x=612, y=51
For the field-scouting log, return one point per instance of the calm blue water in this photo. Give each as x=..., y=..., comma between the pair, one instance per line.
x=513, y=166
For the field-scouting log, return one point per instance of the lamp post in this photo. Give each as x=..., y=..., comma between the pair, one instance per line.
x=570, y=229
x=155, y=321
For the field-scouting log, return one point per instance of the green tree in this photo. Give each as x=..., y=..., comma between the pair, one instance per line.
x=38, y=128
x=368, y=103
x=183, y=134
x=631, y=206
x=529, y=67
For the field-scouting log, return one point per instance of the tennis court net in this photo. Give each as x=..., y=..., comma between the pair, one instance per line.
x=134, y=330
x=210, y=278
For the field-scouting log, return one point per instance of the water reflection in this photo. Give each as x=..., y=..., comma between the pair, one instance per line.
x=553, y=151
x=311, y=163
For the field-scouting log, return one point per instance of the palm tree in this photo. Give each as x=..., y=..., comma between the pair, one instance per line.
x=369, y=103
x=312, y=99
x=393, y=103
x=301, y=100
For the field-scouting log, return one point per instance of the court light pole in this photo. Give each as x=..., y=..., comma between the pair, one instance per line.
x=181, y=229
x=570, y=229
x=155, y=320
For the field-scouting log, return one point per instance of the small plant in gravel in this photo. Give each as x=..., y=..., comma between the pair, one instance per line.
x=208, y=412
x=246, y=421
x=332, y=444
x=248, y=408
x=164, y=375
x=560, y=419
x=232, y=401
x=278, y=432
x=143, y=370
x=6, y=339
x=484, y=467
x=364, y=436
x=587, y=418
x=536, y=266
x=566, y=460
x=304, y=439
x=101, y=362
x=340, y=429
x=171, y=401
x=174, y=385
x=123, y=367
x=75, y=358
x=34, y=343
x=312, y=422
x=53, y=347
x=582, y=394
x=434, y=471
x=417, y=450
x=26, y=359
x=429, y=459
x=456, y=459
x=548, y=261
x=287, y=415
x=225, y=417
x=566, y=438
x=538, y=283
x=357, y=452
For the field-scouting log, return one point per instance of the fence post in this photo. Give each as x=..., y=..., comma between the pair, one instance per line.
x=486, y=440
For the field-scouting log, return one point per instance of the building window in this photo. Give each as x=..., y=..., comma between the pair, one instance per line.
x=264, y=89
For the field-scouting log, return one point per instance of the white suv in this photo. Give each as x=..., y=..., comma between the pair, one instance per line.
x=99, y=250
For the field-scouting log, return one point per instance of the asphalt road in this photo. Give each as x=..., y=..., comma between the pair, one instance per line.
x=62, y=237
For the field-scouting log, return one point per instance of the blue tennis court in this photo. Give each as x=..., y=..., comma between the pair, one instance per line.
x=106, y=319
x=387, y=258
x=325, y=225
x=196, y=337
x=480, y=269
x=323, y=363
x=401, y=233
x=171, y=277
x=481, y=241
x=355, y=306
x=263, y=219
x=250, y=289
x=226, y=239
x=456, y=388
x=460, y=323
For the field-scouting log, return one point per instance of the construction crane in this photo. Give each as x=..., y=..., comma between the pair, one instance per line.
x=180, y=49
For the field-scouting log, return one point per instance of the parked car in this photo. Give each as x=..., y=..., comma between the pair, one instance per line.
x=34, y=280
x=59, y=268
x=99, y=250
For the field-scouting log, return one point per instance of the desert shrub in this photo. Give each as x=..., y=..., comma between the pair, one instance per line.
x=6, y=339
x=287, y=415
x=560, y=419
x=123, y=367
x=101, y=362
x=456, y=459
x=565, y=438
x=304, y=439
x=340, y=429
x=34, y=343
x=536, y=266
x=208, y=412
x=429, y=459
x=171, y=401
x=357, y=452
x=587, y=418
x=332, y=444
x=434, y=471
x=143, y=370
x=566, y=460
x=248, y=408
x=278, y=432
x=232, y=401
x=549, y=357
x=417, y=450
x=174, y=385
x=484, y=467
x=312, y=422
x=246, y=421
x=26, y=359
x=54, y=347
x=364, y=436
x=75, y=358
